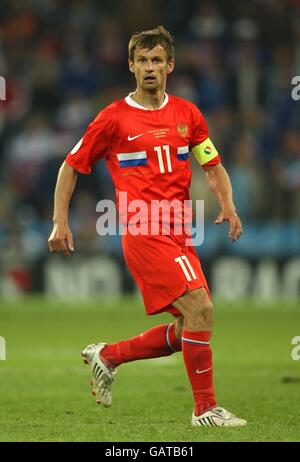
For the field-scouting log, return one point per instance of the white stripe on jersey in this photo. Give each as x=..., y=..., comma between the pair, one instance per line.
x=183, y=150
x=132, y=156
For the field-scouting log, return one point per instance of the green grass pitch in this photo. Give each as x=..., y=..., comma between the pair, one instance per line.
x=45, y=393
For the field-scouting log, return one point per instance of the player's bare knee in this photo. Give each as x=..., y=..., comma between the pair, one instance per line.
x=201, y=316
x=200, y=312
x=206, y=313
x=199, y=304
x=196, y=308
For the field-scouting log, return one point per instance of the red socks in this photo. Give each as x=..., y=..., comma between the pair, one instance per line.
x=197, y=356
x=158, y=341
x=162, y=341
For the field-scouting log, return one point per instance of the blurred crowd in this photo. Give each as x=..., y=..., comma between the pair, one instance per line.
x=64, y=60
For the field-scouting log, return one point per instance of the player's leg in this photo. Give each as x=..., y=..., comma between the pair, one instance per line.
x=196, y=309
x=162, y=340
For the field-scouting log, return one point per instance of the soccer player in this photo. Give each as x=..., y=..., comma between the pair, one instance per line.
x=146, y=139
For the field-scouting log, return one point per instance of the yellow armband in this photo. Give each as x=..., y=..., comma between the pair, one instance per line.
x=205, y=151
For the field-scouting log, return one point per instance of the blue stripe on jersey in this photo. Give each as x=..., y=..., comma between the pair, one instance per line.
x=183, y=153
x=182, y=156
x=133, y=163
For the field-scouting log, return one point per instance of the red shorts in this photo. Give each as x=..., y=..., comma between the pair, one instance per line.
x=163, y=268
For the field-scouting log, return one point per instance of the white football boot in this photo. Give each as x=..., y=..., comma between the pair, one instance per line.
x=103, y=376
x=217, y=417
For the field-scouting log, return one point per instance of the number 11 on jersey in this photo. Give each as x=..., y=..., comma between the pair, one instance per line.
x=186, y=267
x=160, y=156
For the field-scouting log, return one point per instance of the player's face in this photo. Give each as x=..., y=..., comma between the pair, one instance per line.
x=151, y=68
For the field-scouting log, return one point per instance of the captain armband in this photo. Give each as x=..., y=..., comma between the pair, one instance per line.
x=205, y=151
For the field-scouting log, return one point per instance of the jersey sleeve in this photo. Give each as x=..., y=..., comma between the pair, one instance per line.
x=93, y=146
x=202, y=146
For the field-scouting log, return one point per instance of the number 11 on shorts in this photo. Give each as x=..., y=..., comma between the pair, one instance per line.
x=186, y=267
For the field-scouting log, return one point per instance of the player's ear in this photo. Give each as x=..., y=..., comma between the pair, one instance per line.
x=131, y=65
x=171, y=65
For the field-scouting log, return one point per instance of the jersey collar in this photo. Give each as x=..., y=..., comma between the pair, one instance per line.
x=133, y=103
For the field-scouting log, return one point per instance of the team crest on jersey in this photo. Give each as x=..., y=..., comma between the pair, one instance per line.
x=182, y=129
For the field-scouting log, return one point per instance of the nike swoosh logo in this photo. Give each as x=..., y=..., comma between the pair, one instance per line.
x=130, y=138
x=202, y=372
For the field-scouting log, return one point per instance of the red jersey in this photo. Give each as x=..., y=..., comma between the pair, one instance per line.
x=147, y=151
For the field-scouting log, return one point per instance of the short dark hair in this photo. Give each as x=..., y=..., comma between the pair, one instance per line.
x=149, y=39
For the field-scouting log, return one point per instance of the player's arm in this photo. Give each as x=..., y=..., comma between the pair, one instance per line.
x=92, y=147
x=61, y=239
x=220, y=185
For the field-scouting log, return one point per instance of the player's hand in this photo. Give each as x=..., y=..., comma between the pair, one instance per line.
x=235, y=225
x=61, y=239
